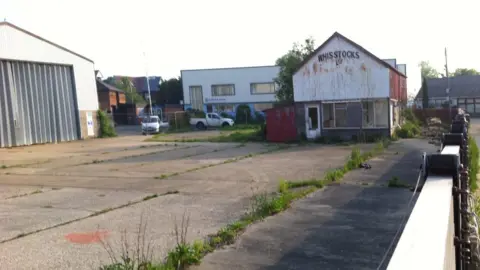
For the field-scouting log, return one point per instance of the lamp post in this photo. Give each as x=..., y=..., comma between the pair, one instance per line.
x=447, y=90
x=148, y=84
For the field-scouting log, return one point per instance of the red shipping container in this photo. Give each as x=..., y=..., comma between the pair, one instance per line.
x=281, y=124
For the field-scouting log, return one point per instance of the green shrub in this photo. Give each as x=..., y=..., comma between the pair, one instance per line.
x=409, y=116
x=106, y=127
x=195, y=113
x=473, y=162
x=259, y=118
x=408, y=130
x=225, y=115
x=243, y=114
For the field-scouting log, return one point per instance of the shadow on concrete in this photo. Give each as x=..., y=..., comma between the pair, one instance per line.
x=344, y=226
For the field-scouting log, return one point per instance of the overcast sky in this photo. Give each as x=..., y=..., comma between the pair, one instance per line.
x=187, y=34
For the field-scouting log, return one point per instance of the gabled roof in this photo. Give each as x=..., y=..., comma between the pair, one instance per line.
x=460, y=86
x=42, y=39
x=101, y=86
x=335, y=35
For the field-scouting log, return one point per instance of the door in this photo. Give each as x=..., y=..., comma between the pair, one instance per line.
x=37, y=104
x=312, y=117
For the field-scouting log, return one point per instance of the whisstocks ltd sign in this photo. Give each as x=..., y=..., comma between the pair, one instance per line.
x=338, y=56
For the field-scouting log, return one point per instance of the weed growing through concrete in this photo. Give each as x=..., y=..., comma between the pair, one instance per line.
x=355, y=159
x=396, y=183
x=25, y=194
x=4, y=166
x=146, y=198
x=130, y=256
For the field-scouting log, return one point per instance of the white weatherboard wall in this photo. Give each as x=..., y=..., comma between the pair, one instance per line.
x=240, y=77
x=17, y=45
x=352, y=79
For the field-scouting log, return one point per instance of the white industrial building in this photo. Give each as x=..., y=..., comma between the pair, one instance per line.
x=47, y=92
x=223, y=89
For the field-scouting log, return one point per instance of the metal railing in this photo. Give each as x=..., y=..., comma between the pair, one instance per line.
x=442, y=230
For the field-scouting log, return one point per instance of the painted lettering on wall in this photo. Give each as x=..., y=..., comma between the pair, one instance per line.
x=338, y=56
x=214, y=100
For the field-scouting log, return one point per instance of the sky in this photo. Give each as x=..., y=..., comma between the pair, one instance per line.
x=162, y=37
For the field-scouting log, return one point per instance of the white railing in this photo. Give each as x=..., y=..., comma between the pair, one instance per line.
x=427, y=239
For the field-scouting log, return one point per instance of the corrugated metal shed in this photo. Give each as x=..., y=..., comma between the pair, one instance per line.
x=281, y=124
x=37, y=104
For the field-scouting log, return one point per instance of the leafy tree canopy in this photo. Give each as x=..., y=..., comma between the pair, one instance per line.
x=428, y=71
x=465, y=71
x=170, y=92
x=289, y=63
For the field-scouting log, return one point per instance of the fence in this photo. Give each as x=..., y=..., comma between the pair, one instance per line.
x=442, y=230
x=446, y=115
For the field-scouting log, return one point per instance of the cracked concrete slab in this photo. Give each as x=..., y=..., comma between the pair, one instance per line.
x=92, y=200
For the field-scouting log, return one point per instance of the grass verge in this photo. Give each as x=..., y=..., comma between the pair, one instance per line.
x=262, y=206
x=473, y=162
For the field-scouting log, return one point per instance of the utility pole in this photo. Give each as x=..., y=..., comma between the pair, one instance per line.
x=148, y=84
x=447, y=91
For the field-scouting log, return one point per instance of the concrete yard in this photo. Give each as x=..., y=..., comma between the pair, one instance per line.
x=58, y=201
x=349, y=225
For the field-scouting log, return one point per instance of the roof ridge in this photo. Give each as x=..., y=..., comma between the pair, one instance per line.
x=5, y=23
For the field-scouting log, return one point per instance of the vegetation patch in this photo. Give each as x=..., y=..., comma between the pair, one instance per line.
x=353, y=162
x=106, y=127
x=411, y=128
x=396, y=183
x=473, y=160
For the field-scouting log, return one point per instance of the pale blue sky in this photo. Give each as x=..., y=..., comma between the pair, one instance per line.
x=187, y=34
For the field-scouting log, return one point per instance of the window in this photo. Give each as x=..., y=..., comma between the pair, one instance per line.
x=328, y=121
x=196, y=97
x=262, y=106
x=381, y=113
x=368, y=114
x=374, y=114
x=468, y=105
x=223, y=90
x=262, y=88
x=341, y=115
x=213, y=116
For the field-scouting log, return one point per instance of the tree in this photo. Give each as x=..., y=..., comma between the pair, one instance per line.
x=170, y=91
x=428, y=71
x=465, y=71
x=424, y=90
x=131, y=93
x=289, y=63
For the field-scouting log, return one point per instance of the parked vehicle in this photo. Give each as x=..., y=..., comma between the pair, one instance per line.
x=153, y=124
x=211, y=120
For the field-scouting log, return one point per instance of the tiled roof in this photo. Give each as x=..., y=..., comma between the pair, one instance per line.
x=140, y=83
x=102, y=86
x=460, y=86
